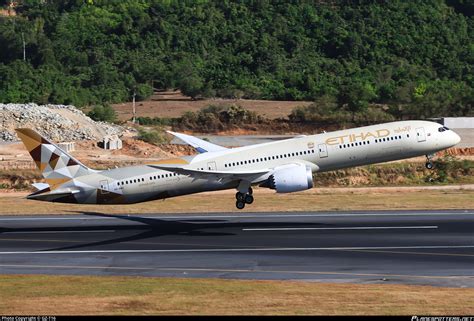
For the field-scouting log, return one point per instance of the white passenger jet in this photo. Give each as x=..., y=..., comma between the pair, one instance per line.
x=285, y=166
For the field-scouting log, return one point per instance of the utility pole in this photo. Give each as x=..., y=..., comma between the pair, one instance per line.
x=133, y=105
x=24, y=46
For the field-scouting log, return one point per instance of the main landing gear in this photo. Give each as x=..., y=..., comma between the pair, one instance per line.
x=243, y=199
x=429, y=163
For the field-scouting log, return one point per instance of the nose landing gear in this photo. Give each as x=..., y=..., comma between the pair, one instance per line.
x=243, y=199
x=429, y=163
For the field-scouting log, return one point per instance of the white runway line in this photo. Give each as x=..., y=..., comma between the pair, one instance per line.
x=50, y=232
x=256, y=215
x=253, y=271
x=341, y=228
x=414, y=247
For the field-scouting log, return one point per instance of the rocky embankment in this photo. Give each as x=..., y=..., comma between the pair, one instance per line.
x=58, y=122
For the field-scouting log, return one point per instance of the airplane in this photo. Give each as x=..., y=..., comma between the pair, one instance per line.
x=285, y=166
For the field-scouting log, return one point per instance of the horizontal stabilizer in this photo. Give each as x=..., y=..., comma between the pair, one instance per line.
x=52, y=196
x=199, y=144
x=40, y=186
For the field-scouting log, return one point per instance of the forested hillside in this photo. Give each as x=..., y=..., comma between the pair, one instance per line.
x=418, y=55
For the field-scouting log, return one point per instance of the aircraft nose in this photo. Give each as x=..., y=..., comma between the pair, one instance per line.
x=456, y=138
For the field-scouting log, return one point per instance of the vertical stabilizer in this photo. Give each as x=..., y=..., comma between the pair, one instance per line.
x=57, y=166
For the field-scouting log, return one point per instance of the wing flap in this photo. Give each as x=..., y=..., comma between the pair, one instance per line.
x=207, y=173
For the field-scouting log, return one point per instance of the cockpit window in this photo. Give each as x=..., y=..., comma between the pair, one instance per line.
x=442, y=129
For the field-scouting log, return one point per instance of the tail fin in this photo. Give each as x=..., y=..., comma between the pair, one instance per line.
x=57, y=166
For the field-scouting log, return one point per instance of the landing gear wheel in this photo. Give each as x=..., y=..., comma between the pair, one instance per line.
x=239, y=196
x=240, y=204
x=250, y=191
x=248, y=199
x=429, y=163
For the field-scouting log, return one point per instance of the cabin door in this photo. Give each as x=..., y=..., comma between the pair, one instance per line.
x=420, y=134
x=104, y=187
x=323, y=150
x=211, y=166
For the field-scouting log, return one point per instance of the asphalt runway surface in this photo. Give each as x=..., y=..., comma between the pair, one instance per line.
x=402, y=247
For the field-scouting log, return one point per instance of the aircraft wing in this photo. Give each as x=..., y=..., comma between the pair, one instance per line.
x=200, y=145
x=249, y=174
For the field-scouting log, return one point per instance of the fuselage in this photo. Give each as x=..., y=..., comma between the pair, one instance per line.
x=321, y=152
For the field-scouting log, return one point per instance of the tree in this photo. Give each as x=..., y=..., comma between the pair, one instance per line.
x=191, y=86
x=356, y=97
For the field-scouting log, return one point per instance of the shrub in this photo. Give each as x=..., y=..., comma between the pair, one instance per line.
x=152, y=136
x=325, y=109
x=213, y=118
x=103, y=113
x=157, y=121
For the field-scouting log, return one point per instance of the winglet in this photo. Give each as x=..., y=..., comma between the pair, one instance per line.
x=200, y=145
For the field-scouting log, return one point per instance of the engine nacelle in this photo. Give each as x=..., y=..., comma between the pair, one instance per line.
x=290, y=178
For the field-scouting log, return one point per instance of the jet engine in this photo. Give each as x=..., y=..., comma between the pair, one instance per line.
x=290, y=178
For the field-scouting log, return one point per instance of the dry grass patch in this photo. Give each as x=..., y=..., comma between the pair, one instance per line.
x=56, y=295
x=266, y=201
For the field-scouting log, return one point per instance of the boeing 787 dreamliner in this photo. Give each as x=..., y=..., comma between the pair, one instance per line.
x=285, y=166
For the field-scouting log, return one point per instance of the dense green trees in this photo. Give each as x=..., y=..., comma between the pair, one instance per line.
x=416, y=56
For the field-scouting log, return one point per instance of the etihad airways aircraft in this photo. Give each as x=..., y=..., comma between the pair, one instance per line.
x=285, y=166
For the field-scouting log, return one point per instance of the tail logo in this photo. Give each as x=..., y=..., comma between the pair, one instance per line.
x=56, y=165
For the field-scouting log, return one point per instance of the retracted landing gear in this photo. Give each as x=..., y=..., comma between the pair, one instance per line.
x=243, y=199
x=429, y=163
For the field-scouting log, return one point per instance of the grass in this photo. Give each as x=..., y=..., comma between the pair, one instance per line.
x=265, y=200
x=89, y=295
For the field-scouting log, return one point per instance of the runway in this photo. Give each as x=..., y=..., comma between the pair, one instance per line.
x=402, y=247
